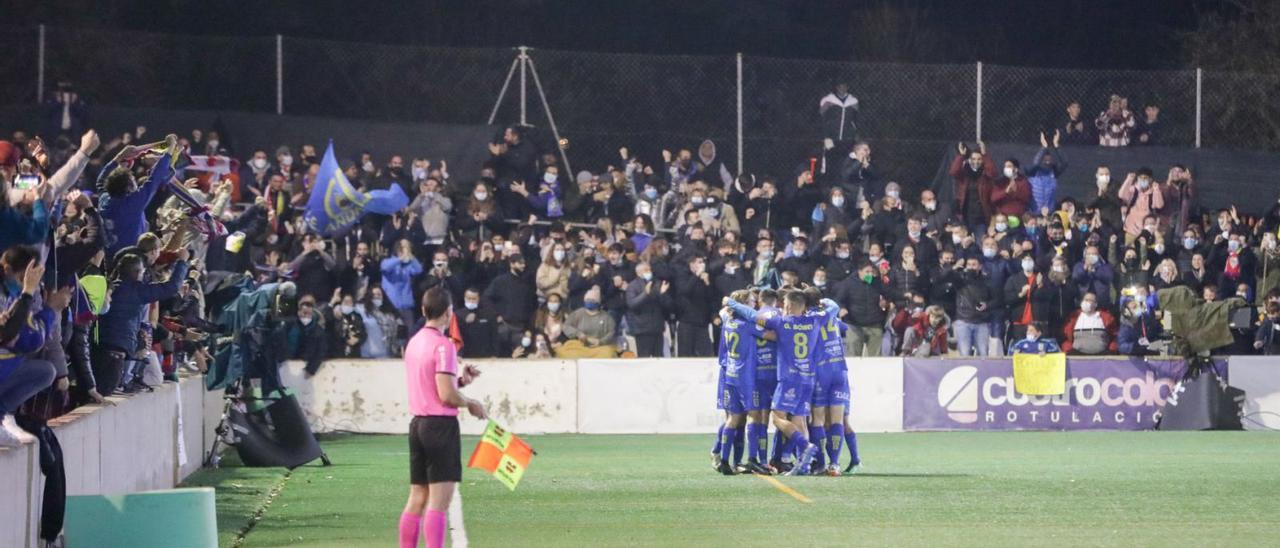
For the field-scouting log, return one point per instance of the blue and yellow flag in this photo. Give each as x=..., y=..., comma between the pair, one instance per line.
x=335, y=205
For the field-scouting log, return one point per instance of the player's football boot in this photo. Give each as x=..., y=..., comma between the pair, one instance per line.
x=832, y=471
x=806, y=457
x=757, y=468
x=725, y=468
x=853, y=468
x=779, y=467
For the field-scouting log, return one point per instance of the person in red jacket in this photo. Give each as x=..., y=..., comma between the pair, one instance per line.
x=1011, y=193
x=927, y=335
x=972, y=172
x=1090, y=330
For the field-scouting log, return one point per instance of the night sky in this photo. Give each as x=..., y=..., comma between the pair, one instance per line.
x=1134, y=34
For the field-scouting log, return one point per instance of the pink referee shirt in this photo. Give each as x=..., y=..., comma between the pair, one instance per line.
x=429, y=352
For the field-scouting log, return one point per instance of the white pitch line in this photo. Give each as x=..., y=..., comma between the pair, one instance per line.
x=457, y=530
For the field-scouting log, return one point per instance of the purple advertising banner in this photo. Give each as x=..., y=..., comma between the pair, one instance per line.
x=978, y=394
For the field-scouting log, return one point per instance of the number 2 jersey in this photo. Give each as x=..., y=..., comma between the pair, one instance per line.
x=739, y=352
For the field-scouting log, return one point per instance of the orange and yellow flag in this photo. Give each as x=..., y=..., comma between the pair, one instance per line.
x=502, y=454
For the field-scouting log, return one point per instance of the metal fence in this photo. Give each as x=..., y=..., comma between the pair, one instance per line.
x=762, y=112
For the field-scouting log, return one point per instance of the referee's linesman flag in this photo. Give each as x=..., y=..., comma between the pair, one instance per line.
x=502, y=454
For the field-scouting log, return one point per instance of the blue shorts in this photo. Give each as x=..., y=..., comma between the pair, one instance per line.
x=793, y=397
x=731, y=400
x=761, y=398
x=832, y=388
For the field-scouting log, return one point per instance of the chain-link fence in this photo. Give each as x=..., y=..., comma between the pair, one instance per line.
x=604, y=101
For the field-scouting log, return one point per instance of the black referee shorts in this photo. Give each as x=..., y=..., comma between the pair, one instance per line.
x=435, y=450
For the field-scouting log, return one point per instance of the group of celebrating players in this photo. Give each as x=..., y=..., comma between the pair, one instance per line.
x=786, y=365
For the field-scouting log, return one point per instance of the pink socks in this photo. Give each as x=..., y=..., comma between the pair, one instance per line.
x=410, y=525
x=437, y=523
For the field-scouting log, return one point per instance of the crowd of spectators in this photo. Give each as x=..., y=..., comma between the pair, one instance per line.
x=106, y=270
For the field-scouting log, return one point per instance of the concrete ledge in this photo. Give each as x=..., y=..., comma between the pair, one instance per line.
x=112, y=450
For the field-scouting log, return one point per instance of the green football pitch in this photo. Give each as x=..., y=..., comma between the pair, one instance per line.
x=926, y=489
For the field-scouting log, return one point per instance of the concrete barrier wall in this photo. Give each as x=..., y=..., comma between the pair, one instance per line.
x=1259, y=377
x=667, y=396
x=131, y=446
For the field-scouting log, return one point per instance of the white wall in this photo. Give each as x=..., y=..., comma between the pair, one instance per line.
x=639, y=396
x=1259, y=377
x=129, y=447
x=528, y=396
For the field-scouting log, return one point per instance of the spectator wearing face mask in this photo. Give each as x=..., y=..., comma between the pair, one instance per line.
x=973, y=175
x=863, y=303
x=548, y=199
x=648, y=299
x=840, y=264
x=1105, y=199
x=926, y=249
x=1143, y=196
x=1025, y=297
x=906, y=277
x=550, y=317
x=481, y=218
x=1011, y=192
x=431, y=207
x=695, y=306
x=934, y=215
x=398, y=272
x=1046, y=167
x=945, y=280
x=884, y=222
x=732, y=278
x=832, y=213
x=1033, y=342
x=1090, y=330
x=513, y=297
x=1139, y=327
x=1236, y=264
x=590, y=330
x=1093, y=275
x=798, y=259
x=349, y=333
x=974, y=303
x=479, y=326
x=381, y=323
x=1059, y=297
x=553, y=273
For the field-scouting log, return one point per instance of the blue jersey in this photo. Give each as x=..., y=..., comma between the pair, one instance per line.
x=832, y=347
x=738, y=350
x=767, y=350
x=797, y=341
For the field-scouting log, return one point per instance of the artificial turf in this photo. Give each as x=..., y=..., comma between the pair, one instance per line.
x=927, y=489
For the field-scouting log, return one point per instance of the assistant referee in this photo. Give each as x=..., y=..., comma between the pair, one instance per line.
x=435, y=445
